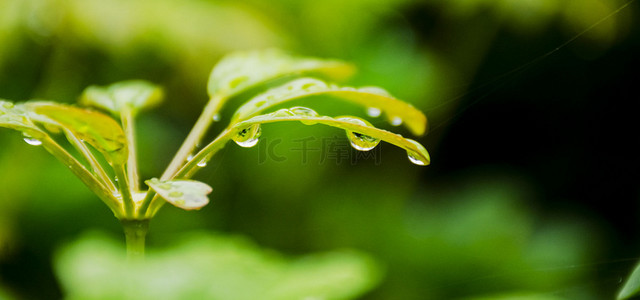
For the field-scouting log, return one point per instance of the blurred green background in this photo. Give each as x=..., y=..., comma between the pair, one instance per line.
x=532, y=192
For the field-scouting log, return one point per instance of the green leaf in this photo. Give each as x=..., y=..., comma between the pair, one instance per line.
x=240, y=71
x=375, y=99
x=185, y=194
x=360, y=132
x=207, y=266
x=95, y=128
x=133, y=94
x=16, y=117
x=631, y=286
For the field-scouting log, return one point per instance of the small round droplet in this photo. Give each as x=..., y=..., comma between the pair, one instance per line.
x=362, y=142
x=175, y=194
x=32, y=141
x=248, y=137
x=304, y=112
x=283, y=113
x=202, y=163
x=216, y=117
x=374, y=112
x=190, y=157
x=415, y=159
x=359, y=141
x=396, y=121
x=420, y=158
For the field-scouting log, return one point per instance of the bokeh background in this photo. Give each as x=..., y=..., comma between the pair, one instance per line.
x=533, y=187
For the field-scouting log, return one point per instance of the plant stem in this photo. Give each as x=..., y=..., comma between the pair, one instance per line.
x=81, y=172
x=135, y=232
x=127, y=199
x=191, y=167
x=128, y=125
x=195, y=136
x=91, y=159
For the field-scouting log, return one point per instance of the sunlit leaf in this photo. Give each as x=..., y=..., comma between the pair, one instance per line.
x=185, y=194
x=242, y=70
x=632, y=286
x=376, y=100
x=360, y=132
x=16, y=117
x=95, y=128
x=134, y=94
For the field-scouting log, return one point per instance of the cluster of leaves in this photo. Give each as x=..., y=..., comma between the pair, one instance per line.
x=97, y=140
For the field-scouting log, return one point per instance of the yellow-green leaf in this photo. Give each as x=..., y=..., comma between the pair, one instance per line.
x=376, y=100
x=95, y=128
x=183, y=193
x=133, y=94
x=365, y=135
x=240, y=71
x=16, y=117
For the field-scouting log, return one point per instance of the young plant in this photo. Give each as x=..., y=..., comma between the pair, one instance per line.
x=102, y=151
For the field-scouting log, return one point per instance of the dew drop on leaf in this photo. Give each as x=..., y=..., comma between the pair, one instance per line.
x=304, y=112
x=32, y=141
x=374, y=112
x=396, y=121
x=415, y=159
x=189, y=157
x=283, y=113
x=216, y=117
x=420, y=157
x=248, y=137
x=362, y=142
x=202, y=163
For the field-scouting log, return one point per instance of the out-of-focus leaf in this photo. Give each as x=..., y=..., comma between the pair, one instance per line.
x=95, y=128
x=133, y=94
x=360, y=132
x=375, y=99
x=240, y=71
x=205, y=266
x=631, y=286
x=185, y=194
x=518, y=296
x=15, y=116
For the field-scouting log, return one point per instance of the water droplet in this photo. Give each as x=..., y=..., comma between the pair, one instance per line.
x=362, y=142
x=33, y=142
x=248, y=137
x=283, y=113
x=304, y=112
x=175, y=194
x=216, y=117
x=396, y=121
x=202, y=163
x=374, y=112
x=420, y=158
x=413, y=157
x=190, y=157
x=7, y=105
